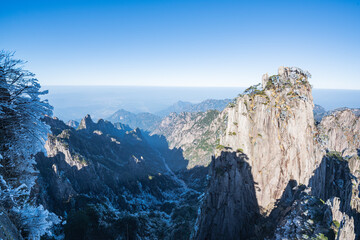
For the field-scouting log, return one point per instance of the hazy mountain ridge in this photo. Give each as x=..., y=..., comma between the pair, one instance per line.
x=149, y=121
x=209, y=104
x=320, y=112
x=145, y=121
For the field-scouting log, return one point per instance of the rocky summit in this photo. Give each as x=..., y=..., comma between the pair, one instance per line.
x=276, y=174
x=273, y=125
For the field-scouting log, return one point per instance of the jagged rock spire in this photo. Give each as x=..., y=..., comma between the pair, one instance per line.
x=86, y=123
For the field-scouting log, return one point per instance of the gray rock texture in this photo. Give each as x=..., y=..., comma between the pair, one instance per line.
x=275, y=128
x=308, y=218
x=343, y=224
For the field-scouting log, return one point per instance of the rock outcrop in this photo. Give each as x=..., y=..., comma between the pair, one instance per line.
x=343, y=224
x=274, y=126
x=73, y=124
x=342, y=131
x=294, y=164
x=333, y=179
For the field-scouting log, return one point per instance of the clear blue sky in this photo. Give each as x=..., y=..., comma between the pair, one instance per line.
x=185, y=42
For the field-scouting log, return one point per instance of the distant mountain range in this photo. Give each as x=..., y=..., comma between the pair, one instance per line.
x=149, y=122
x=145, y=121
x=320, y=112
x=209, y=104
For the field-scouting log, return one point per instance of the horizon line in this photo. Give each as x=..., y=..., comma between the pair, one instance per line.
x=176, y=86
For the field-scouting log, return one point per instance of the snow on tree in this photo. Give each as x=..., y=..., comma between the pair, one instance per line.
x=22, y=135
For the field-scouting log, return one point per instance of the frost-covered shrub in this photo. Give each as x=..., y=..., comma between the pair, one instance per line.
x=22, y=135
x=36, y=221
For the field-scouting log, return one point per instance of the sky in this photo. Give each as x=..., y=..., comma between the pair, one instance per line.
x=183, y=43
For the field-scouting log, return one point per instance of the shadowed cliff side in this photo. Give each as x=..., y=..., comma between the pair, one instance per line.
x=266, y=226
x=334, y=182
x=333, y=179
x=323, y=210
x=229, y=206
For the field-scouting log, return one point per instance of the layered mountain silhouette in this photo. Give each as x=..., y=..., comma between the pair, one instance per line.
x=265, y=165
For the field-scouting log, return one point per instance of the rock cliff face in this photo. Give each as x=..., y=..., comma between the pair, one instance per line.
x=342, y=132
x=333, y=179
x=334, y=182
x=327, y=208
x=274, y=126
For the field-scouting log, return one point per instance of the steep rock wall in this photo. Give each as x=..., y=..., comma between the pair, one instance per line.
x=274, y=126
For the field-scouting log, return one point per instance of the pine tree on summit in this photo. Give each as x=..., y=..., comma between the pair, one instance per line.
x=22, y=135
